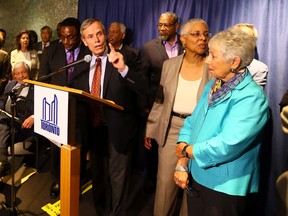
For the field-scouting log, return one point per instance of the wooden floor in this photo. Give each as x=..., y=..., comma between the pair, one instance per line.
x=33, y=194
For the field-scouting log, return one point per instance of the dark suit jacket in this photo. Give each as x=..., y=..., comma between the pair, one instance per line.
x=153, y=57
x=4, y=70
x=24, y=106
x=122, y=125
x=54, y=58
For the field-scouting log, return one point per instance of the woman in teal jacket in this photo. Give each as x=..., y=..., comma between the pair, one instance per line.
x=220, y=142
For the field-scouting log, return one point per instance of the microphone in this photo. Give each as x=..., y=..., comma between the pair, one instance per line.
x=87, y=58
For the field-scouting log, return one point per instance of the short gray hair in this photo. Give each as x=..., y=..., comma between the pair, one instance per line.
x=89, y=22
x=173, y=15
x=20, y=64
x=186, y=26
x=234, y=42
x=248, y=25
x=121, y=25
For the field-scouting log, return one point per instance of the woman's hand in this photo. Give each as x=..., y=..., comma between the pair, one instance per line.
x=179, y=148
x=181, y=179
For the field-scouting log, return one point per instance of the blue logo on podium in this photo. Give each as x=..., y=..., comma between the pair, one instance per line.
x=49, y=121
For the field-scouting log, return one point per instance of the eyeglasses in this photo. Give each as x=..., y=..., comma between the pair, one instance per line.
x=198, y=34
x=159, y=25
x=69, y=37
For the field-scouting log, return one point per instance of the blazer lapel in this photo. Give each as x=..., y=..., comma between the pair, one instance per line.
x=160, y=47
x=108, y=72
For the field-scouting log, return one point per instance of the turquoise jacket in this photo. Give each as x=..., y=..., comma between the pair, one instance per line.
x=227, y=137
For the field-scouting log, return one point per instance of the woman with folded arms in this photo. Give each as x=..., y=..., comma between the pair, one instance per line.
x=219, y=143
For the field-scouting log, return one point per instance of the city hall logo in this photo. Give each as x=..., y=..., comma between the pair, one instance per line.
x=49, y=121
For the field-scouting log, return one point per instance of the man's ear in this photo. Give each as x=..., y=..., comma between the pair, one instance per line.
x=123, y=36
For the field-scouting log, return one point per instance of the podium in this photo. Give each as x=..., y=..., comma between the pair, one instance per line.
x=54, y=118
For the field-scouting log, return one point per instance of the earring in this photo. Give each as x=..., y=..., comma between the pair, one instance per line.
x=232, y=70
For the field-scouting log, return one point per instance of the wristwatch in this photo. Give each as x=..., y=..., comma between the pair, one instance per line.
x=184, y=153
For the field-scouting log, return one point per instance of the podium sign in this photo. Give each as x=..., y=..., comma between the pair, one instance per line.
x=51, y=113
x=53, y=107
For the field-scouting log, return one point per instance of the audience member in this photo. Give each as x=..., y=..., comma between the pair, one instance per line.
x=3, y=34
x=183, y=78
x=4, y=66
x=221, y=140
x=33, y=37
x=154, y=53
x=284, y=112
x=116, y=36
x=56, y=56
x=258, y=69
x=24, y=111
x=46, y=34
x=58, y=28
x=112, y=138
x=24, y=52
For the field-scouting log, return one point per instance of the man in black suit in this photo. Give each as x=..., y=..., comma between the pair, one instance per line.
x=40, y=47
x=117, y=35
x=24, y=120
x=112, y=140
x=56, y=56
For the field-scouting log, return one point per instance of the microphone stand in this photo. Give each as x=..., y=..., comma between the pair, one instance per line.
x=51, y=74
x=12, y=209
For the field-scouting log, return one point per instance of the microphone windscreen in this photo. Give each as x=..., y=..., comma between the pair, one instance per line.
x=87, y=58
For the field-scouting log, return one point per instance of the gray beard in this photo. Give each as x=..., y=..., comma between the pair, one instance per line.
x=164, y=38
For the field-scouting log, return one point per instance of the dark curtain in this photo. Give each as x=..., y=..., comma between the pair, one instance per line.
x=269, y=17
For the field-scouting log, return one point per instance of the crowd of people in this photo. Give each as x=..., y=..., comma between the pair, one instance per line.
x=194, y=111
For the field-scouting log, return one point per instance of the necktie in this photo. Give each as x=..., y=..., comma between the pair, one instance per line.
x=44, y=46
x=70, y=59
x=96, y=91
x=96, y=83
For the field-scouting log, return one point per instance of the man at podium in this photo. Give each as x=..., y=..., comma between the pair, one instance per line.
x=111, y=136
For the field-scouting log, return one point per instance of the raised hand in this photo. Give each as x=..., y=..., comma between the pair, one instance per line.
x=116, y=58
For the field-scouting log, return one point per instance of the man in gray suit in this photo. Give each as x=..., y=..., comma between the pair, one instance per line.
x=154, y=53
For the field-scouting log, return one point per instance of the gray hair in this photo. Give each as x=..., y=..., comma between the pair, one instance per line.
x=187, y=25
x=248, y=25
x=21, y=64
x=173, y=15
x=89, y=22
x=121, y=25
x=234, y=42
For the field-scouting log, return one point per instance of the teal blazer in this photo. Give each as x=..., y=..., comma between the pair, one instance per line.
x=227, y=137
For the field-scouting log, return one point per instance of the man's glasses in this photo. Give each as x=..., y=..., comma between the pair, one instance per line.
x=165, y=25
x=198, y=34
x=69, y=37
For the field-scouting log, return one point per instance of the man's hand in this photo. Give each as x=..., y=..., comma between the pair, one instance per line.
x=28, y=123
x=116, y=58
